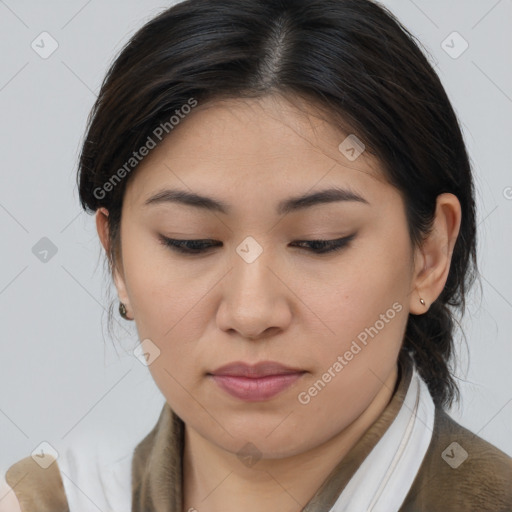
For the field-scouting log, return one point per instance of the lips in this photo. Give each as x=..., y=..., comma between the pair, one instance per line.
x=262, y=369
x=255, y=383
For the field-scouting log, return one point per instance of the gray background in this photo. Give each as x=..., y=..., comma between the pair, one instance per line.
x=61, y=378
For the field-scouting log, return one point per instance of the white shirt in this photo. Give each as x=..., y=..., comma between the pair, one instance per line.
x=96, y=473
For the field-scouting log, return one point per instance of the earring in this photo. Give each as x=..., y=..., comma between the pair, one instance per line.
x=422, y=301
x=122, y=311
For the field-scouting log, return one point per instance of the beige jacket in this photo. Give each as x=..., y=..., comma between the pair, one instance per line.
x=482, y=483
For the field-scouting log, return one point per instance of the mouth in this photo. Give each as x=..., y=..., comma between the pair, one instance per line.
x=255, y=383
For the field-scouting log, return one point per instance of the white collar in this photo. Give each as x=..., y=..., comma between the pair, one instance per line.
x=384, y=478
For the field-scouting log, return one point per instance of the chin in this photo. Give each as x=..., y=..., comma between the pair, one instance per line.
x=261, y=444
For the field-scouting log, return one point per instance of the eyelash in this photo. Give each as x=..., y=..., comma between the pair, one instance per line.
x=191, y=246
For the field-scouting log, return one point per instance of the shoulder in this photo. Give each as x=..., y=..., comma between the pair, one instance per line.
x=461, y=472
x=32, y=485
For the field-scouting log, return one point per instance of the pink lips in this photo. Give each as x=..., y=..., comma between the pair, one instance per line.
x=255, y=382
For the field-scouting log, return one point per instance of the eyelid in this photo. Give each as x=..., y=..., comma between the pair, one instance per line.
x=180, y=245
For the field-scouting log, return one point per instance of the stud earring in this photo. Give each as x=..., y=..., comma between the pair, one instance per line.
x=123, y=312
x=422, y=301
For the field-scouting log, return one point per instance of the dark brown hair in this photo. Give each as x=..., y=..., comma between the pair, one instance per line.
x=352, y=57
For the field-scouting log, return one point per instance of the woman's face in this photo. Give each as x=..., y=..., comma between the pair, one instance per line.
x=260, y=294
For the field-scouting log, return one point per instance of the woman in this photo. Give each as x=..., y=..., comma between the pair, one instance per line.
x=286, y=202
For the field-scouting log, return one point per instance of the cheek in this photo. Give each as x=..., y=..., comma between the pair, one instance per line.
x=363, y=302
x=168, y=304
x=162, y=294
x=367, y=319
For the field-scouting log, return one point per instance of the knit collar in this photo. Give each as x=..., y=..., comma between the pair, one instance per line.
x=157, y=460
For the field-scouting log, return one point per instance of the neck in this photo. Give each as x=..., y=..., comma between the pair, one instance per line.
x=214, y=480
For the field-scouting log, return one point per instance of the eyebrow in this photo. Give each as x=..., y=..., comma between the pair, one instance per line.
x=291, y=204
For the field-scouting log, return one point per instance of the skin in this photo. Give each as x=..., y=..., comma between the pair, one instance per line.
x=289, y=305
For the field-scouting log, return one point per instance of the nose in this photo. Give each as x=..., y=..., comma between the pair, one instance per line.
x=255, y=300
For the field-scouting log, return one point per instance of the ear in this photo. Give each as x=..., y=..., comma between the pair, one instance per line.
x=433, y=258
x=103, y=233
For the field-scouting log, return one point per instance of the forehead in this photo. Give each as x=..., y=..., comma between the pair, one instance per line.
x=267, y=146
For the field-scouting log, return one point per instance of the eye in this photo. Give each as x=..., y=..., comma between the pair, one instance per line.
x=188, y=246
x=326, y=246
x=201, y=246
